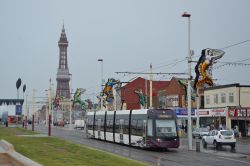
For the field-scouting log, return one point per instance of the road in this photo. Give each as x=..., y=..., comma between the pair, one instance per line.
x=173, y=157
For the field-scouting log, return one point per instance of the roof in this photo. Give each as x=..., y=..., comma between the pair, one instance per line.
x=11, y=101
x=226, y=86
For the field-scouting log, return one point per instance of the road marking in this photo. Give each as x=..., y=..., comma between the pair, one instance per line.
x=235, y=160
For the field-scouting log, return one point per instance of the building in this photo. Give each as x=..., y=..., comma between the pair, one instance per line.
x=130, y=99
x=63, y=75
x=234, y=99
x=166, y=94
x=11, y=110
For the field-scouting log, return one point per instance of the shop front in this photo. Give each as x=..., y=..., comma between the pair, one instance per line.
x=212, y=118
x=240, y=120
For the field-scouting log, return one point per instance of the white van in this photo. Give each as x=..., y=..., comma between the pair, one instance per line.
x=79, y=124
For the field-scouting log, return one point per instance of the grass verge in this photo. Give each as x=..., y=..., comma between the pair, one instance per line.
x=51, y=151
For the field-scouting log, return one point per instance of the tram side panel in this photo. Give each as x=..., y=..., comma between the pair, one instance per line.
x=122, y=127
x=99, y=126
x=109, y=126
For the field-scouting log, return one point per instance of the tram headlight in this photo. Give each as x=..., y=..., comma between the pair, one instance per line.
x=158, y=140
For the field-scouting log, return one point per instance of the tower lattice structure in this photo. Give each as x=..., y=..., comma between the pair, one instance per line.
x=63, y=75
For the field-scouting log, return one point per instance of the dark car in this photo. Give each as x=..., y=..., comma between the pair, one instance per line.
x=200, y=132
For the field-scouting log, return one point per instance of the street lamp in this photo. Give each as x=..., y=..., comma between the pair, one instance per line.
x=101, y=60
x=49, y=96
x=189, y=58
x=70, y=106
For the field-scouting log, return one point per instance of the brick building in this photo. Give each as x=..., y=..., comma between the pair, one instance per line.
x=165, y=93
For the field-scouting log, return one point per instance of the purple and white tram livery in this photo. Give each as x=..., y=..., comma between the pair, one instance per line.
x=146, y=128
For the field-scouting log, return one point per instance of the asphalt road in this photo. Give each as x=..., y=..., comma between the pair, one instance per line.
x=173, y=157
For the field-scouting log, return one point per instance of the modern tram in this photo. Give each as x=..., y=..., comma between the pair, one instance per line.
x=145, y=128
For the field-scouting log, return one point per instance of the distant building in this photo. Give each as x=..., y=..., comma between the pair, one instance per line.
x=232, y=104
x=63, y=75
x=11, y=110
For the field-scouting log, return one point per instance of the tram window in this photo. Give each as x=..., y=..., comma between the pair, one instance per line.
x=102, y=125
x=139, y=127
x=117, y=123
x=133, y=127
x=109, y=126
x=126, y=127
x=90, y=124
x=150, y=128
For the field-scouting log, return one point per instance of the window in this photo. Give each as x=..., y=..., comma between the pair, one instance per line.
x=216, y=99
x=207, y=99
x=126, y=127
x=231, y=97
x=165, y=128
x=150, y=128
x=117, y=126
x=223, y=98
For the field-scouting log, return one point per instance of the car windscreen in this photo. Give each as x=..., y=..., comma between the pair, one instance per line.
x=226, y=132
x=165, y=128
x=203, y=130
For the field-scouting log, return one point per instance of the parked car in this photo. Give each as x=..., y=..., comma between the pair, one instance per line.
x=59, y=123
x=79, y=124
x=219, y=138
x=200, y=132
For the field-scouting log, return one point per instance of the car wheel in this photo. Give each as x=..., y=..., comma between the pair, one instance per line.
x=233, y=147
x=204, y=144
x=216, y=145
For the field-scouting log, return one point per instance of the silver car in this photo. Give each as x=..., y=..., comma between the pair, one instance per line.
x=200, y=132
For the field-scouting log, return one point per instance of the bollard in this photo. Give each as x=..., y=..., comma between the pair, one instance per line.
x=198, y=149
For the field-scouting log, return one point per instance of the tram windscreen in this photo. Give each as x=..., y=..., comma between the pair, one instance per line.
x=165, y=128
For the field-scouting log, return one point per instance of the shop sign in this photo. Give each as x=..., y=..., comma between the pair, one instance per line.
x=248, y=112
x=203, y=112
x=184, y=112
x=239, y=112
x=220, y=112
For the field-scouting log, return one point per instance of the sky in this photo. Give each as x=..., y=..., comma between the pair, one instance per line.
x=128, y=35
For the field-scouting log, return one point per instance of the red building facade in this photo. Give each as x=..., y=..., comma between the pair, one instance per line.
x=165, y=93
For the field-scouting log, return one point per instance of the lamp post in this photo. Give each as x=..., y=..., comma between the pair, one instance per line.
x=33, y=110
x=185, y=14
x=26, y=117
x=101, y=60
x=70, y=106
x=49, y=95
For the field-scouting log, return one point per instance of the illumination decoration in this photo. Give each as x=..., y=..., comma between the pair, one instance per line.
x=107, y=92
x=206, y=60
x=142, y=99
x=77, y=98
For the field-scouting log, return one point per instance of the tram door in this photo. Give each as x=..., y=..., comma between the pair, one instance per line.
x=121, y=130
x=99, y=128
x=144, y=131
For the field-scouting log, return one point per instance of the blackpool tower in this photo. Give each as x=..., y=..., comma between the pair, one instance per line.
x=63, y=75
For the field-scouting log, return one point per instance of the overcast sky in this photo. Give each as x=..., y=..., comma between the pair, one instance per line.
x=128, y=35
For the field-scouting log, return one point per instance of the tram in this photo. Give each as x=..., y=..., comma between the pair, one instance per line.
x=145, y=128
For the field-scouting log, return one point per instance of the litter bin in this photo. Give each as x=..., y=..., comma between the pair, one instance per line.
x=198, y=148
